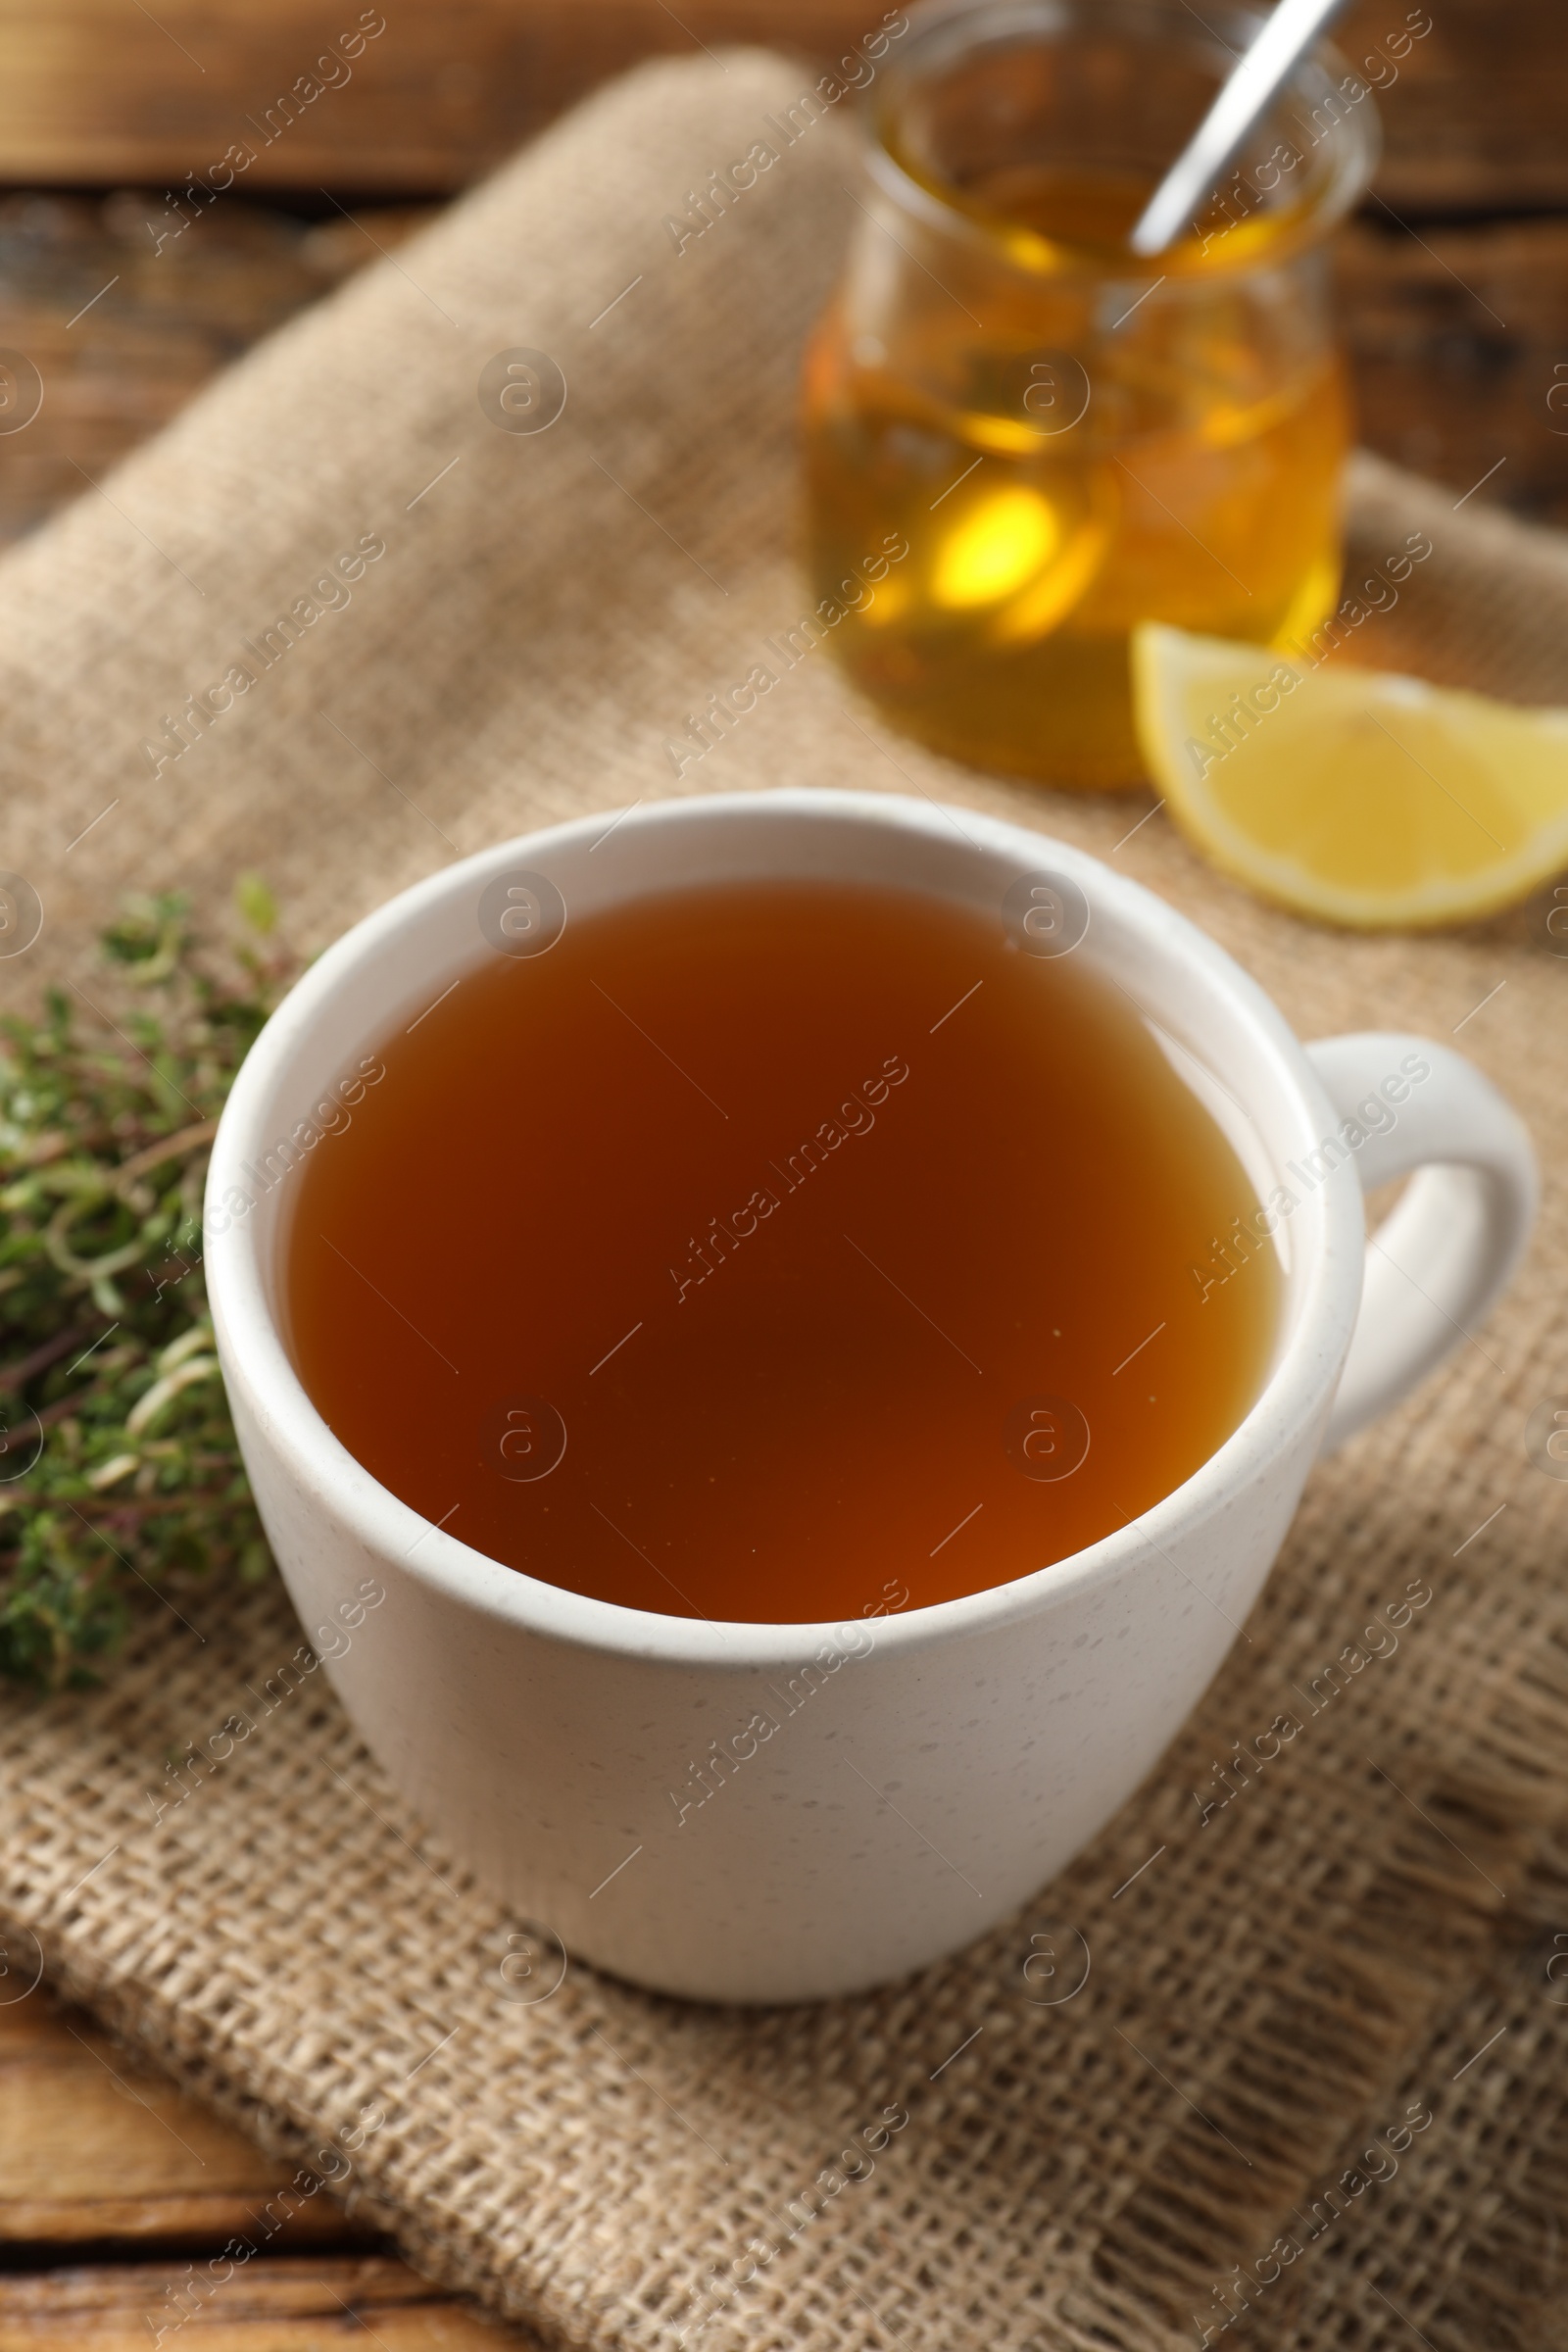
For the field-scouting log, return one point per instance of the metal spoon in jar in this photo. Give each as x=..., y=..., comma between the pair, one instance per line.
x=1252, y=82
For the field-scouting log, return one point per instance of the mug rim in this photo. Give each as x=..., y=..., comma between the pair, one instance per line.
x=1296, y=1395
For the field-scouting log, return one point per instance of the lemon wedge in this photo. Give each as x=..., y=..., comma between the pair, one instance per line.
x=1357, y=797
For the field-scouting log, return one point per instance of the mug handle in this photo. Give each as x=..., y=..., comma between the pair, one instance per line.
x=1437, y=1266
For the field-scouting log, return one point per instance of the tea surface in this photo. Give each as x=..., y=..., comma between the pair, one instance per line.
x=777, y=1252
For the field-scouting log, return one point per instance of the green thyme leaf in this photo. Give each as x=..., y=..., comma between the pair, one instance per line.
x=121, y=1482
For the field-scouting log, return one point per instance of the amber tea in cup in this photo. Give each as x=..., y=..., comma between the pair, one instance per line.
x=781, y=1252
x=1070, y=438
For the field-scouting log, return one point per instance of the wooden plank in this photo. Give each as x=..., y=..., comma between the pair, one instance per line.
x=97, y=91
x=122, y=332
x=1459, y=341
x=268, y=2305
x=94, y=91
x=95, y=2146
x=1474, y=122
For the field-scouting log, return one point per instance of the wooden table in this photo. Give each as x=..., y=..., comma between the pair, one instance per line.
x=1455, y=277
x=1455, y=300
x=112, y=2183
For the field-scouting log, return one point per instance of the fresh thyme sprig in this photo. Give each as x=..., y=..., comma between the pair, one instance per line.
x=120, y=1475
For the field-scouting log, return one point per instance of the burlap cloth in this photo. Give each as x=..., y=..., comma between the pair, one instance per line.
x=1291, y=1973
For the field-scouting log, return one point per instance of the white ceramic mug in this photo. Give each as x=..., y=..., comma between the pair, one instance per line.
x=926, y=1772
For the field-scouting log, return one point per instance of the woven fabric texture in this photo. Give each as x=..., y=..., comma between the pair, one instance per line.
x=1287, y=1990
